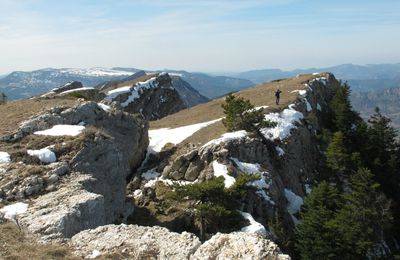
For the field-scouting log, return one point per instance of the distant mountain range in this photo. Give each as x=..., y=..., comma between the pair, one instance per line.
x=18, y=85
x=387, y=100
x=359, y=77
x=369, y=83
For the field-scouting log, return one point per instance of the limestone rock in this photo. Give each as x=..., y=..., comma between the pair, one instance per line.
x=93, y=193
x=136, y=242
x=153, y=99
x=238, y=245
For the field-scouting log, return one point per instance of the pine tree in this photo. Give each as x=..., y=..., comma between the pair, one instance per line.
x=362, y=219
x=316, y=237
x=240, y=114
x=337, y=156
x=343, y=115
x=216, y=206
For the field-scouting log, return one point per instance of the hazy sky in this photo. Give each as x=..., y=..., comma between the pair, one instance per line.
x=196, y=35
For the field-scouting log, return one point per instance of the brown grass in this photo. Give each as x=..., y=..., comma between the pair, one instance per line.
x=12, y=114
x=259, y=95
x=14, y=244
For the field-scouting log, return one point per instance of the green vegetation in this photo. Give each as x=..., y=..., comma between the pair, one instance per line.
x=216, y=207
x=350, y=217
x=240, y=114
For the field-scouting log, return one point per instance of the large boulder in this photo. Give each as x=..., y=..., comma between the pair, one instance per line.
x=238, y=245
x=135, y=242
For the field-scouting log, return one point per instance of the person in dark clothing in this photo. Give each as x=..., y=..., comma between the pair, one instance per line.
x=277, y=96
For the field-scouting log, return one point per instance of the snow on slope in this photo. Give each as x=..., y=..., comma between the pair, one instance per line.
x=135, y=91
x=262, y=184
x=45, y=155
x=294, y=204
x=254, y=227
x=160, y=137
x=12, y=211
x=60, y=130
x=4, y=157
x=222, y=170
x=96, y=72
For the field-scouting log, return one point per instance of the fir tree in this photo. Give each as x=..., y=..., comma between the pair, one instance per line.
x=343, y=115
x=316, y=236
x=337, y=156
x=363, y=217
x=216, y=206
x=240, y=114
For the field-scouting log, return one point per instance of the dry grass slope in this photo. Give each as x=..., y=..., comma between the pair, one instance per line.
x=259, y=95
x=15, y=245
x=13, y=113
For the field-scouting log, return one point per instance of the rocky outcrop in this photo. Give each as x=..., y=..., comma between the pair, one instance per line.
x=153, y=98
x=135, y=242
x=287, y=171
x=238, y=245
x=114, y=83
x=93, y=167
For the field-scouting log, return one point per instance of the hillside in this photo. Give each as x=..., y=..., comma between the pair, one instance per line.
x=180, y=187
x=387, y=100
x=18, y=85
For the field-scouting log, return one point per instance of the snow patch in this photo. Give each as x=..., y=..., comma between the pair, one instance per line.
x=75, y=90
x=254, y=227
x=308, y=188
x=308, y=106
x=150, y=174
x=168, y=182
x=294, y=204
x=280, y=151
x=319, y=108
x=45, y=155
x=4, y=157
x=12, y=211
x=262, y=184
x=222, y=170
x=285, y=122
x=227, y=137
x=104, y=107
x=60, y=130
x=95, y=253
x=301, y=92
x=160, y=137
x=135, y=91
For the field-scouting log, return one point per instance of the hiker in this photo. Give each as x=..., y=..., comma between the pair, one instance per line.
x=277, y=95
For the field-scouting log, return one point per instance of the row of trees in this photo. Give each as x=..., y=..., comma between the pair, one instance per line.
x=354, y=213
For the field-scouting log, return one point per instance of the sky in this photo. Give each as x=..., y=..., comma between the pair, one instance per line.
x=196, y=35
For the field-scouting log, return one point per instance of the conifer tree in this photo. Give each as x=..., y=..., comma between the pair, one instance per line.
x=216, y=206
x=337, y=155
x=343, y=115
x=363, y=217
x=316, y=237
x=240, y=114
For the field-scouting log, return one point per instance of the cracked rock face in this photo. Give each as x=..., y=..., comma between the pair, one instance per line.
x=238, y=245
x=136, y=242
x=92, y=192
x=158, y=99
